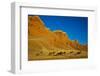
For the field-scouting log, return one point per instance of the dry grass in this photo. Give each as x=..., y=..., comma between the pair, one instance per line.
x=59, y=54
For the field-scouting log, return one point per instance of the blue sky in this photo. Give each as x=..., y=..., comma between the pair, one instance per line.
x=75, y=27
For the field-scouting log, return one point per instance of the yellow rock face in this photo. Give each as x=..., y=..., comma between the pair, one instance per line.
x=46, y=44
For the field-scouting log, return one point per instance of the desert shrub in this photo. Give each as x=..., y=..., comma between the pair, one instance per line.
x=60, y=53
x=71, y=52
x=39, y=53
x=51, y=53
x=78, y=52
